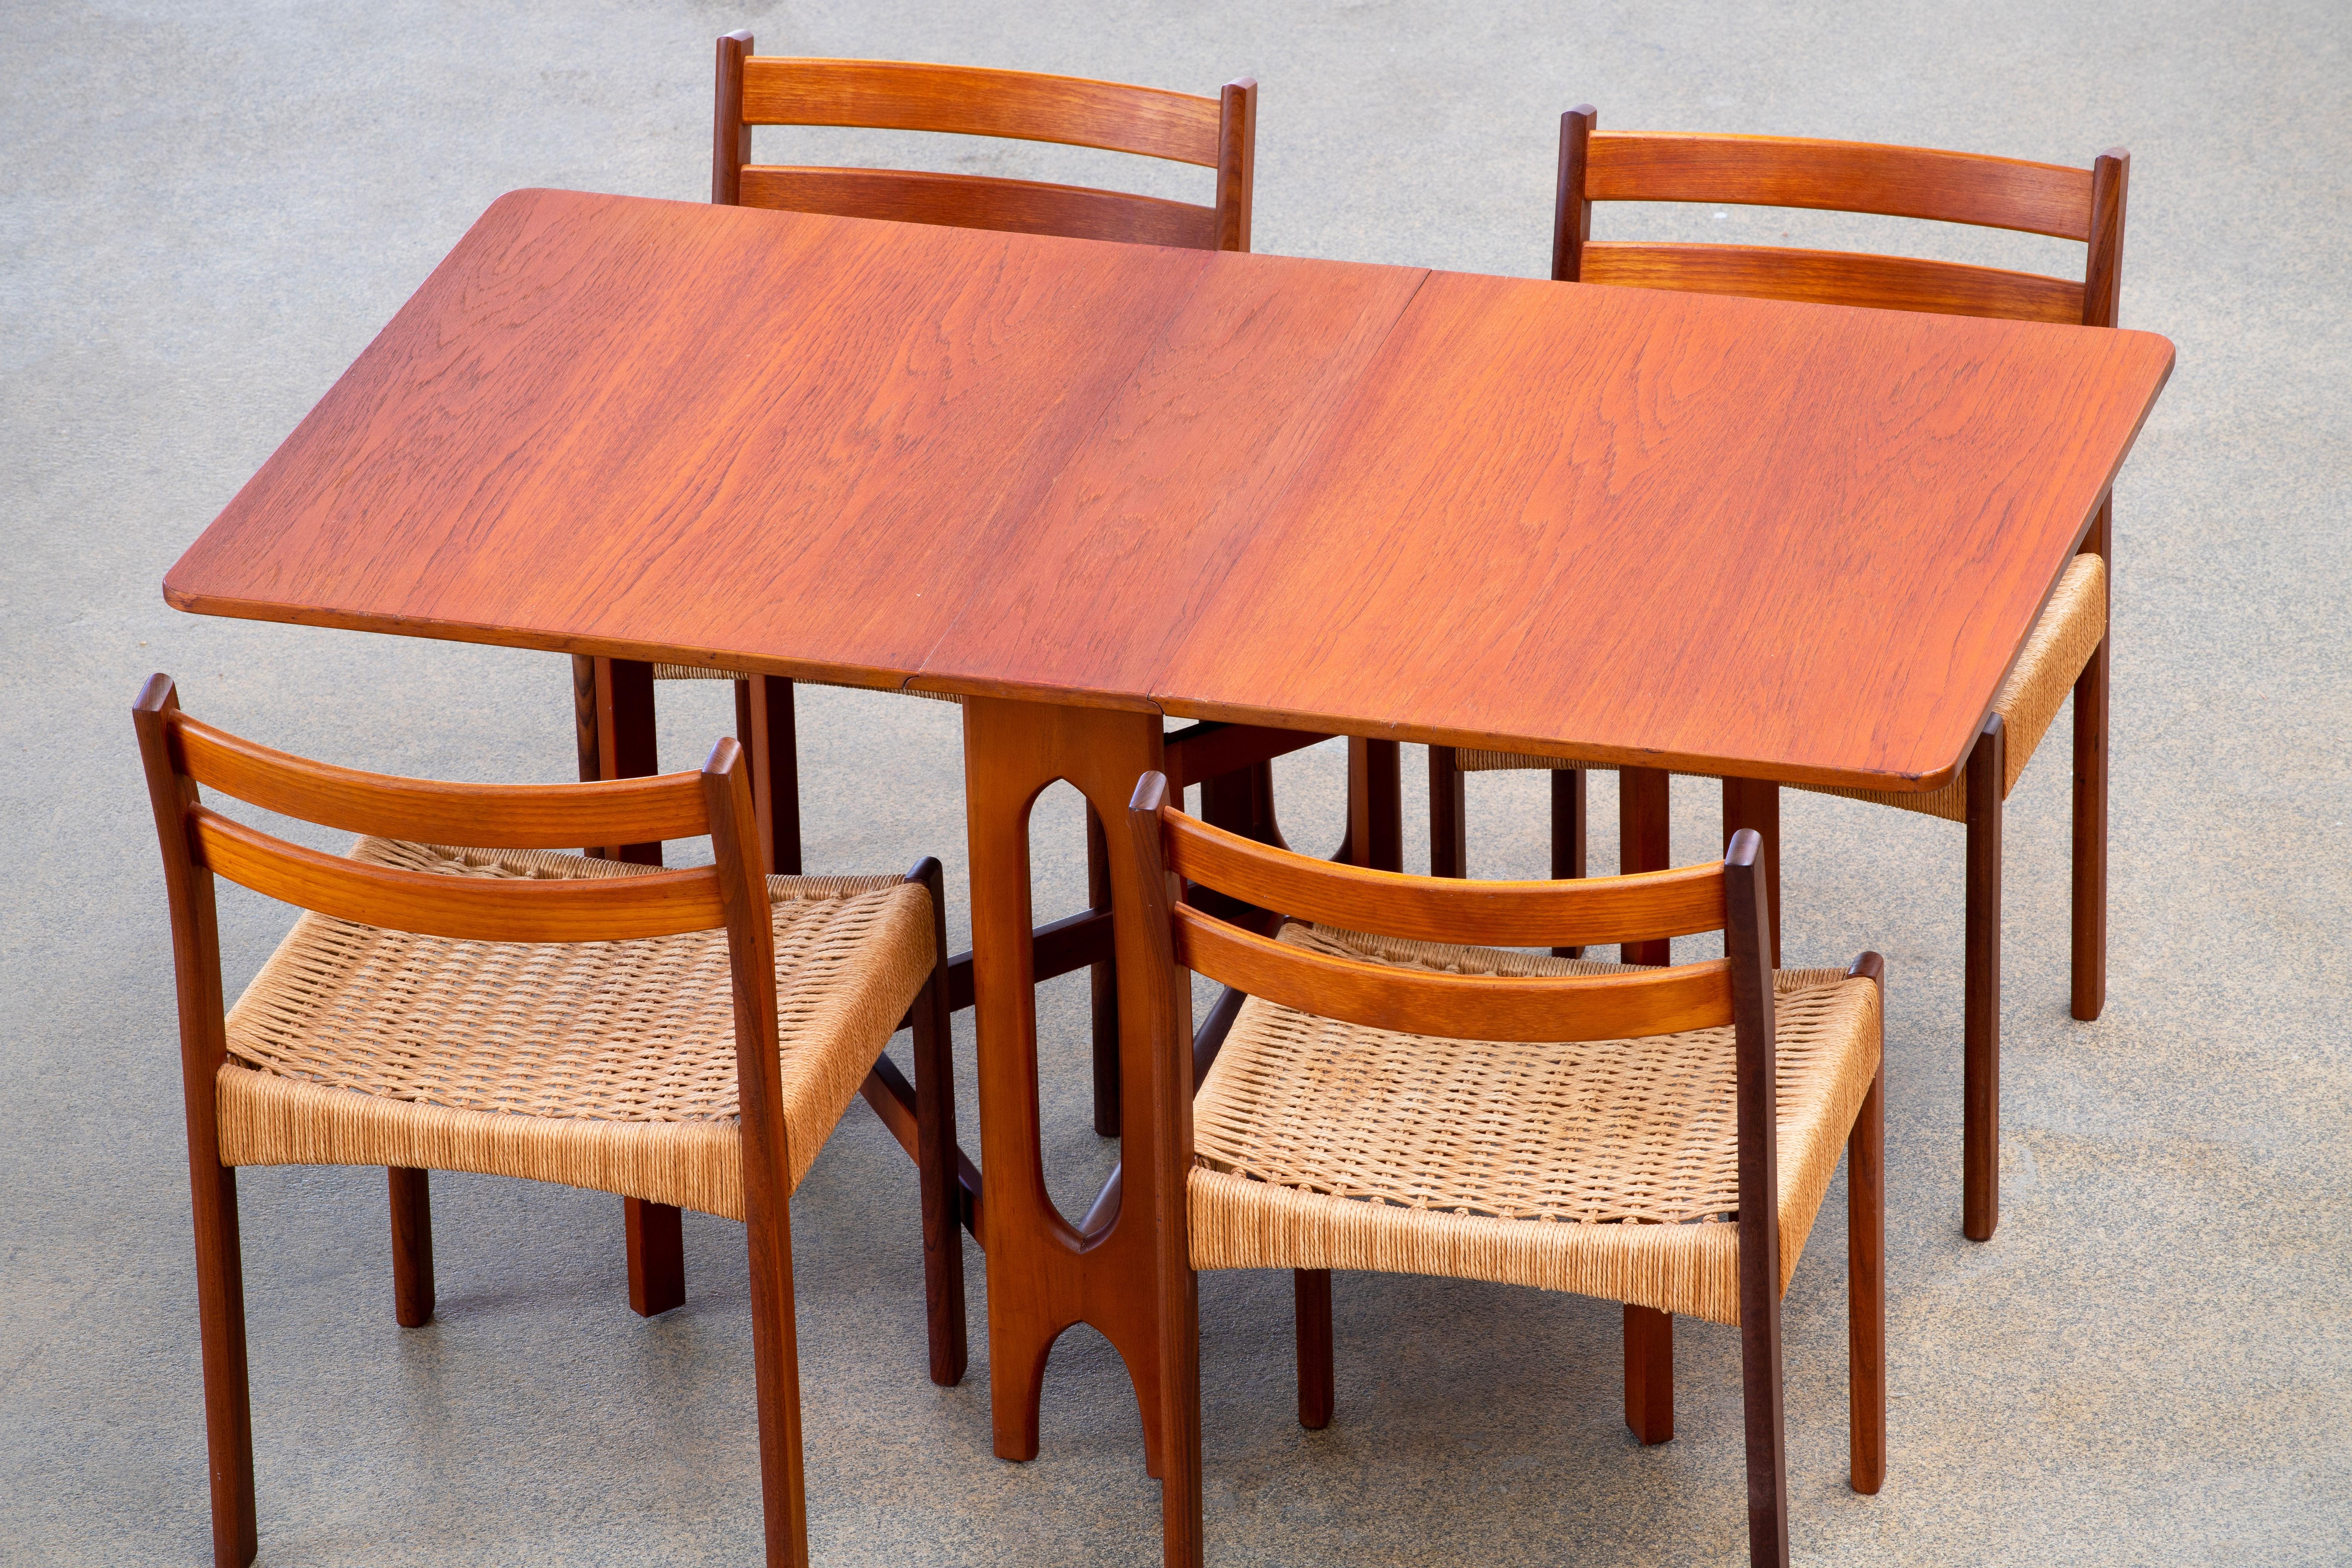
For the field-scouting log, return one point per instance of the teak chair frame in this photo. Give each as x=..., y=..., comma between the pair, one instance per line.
x=179, y=754
x=1181, y=858
x=614, y=698
x=2083, y=204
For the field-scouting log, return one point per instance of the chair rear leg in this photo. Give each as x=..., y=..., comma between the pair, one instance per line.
x=1310, y=1291
x=228, y=1410
x=1756, y=803
x=1650, y=1374
x=1981, y=994
x=1449, y=820
x=627, y=750
x=1180, y=1417
x=412, y=1247
x=1375, y=804
x=775, y=1359
x=1569, y=822
x=768, y=731
x=583, y=718
x=1768, y=1471
x=1866, y=1265
x=1643, y=844
x=1102, y=978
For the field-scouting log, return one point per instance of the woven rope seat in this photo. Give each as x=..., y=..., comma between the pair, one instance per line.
x=2056, y=650
x=702, y=672
x=604, y=1065
x=1607, y=1168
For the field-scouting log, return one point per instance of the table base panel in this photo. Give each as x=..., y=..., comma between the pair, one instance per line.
x=1045, y=1274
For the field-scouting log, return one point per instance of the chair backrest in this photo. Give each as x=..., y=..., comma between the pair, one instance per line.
x=2085, y=204
x=181, y=753
x=1217, y=133
x=1641, y=907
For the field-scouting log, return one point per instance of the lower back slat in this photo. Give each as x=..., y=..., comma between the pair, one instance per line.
x=1835, y=277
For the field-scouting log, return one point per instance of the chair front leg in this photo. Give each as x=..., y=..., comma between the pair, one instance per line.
x=1980, y=994
x=1649, y=1374
x=412, y=1247
x=657, y=1251
x=1310, y=1291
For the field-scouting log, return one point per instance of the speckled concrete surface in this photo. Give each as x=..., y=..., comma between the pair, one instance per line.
x=206, y=210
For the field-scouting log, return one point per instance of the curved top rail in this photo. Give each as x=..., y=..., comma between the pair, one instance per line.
x=1841, y=176
x=971, y=100
x=487, y=816
x=1641, y=907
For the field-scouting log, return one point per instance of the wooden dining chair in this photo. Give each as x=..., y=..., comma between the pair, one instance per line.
x=2067, y=650
x=1391, y=1099
x=614, y=700
x=689, y=1038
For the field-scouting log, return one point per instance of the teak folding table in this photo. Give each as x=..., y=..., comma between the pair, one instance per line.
x=1087, y=485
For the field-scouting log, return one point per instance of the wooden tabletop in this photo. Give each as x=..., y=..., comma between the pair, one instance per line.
x=1725, y=535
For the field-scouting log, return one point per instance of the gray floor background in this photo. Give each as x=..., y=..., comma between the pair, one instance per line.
x=207, y=209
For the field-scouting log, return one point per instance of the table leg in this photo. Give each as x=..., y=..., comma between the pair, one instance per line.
x=1044, y=1274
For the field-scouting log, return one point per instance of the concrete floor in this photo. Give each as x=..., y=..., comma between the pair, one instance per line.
x=207, y=209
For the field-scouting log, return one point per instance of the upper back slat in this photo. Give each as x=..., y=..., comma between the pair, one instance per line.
x=1844, y=177
x=506, y=816
x=1641, y=907
x=476, y=909
x=968, y=100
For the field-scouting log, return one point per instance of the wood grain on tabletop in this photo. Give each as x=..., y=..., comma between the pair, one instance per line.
x=1099, y=588
x=1730, y=535
x=664, y=429
x=1543, y=517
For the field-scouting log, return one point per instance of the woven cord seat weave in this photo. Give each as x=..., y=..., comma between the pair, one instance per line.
x=1608, y=1168
x=603, y=1065
x=702, y=672
x=2062, y=642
